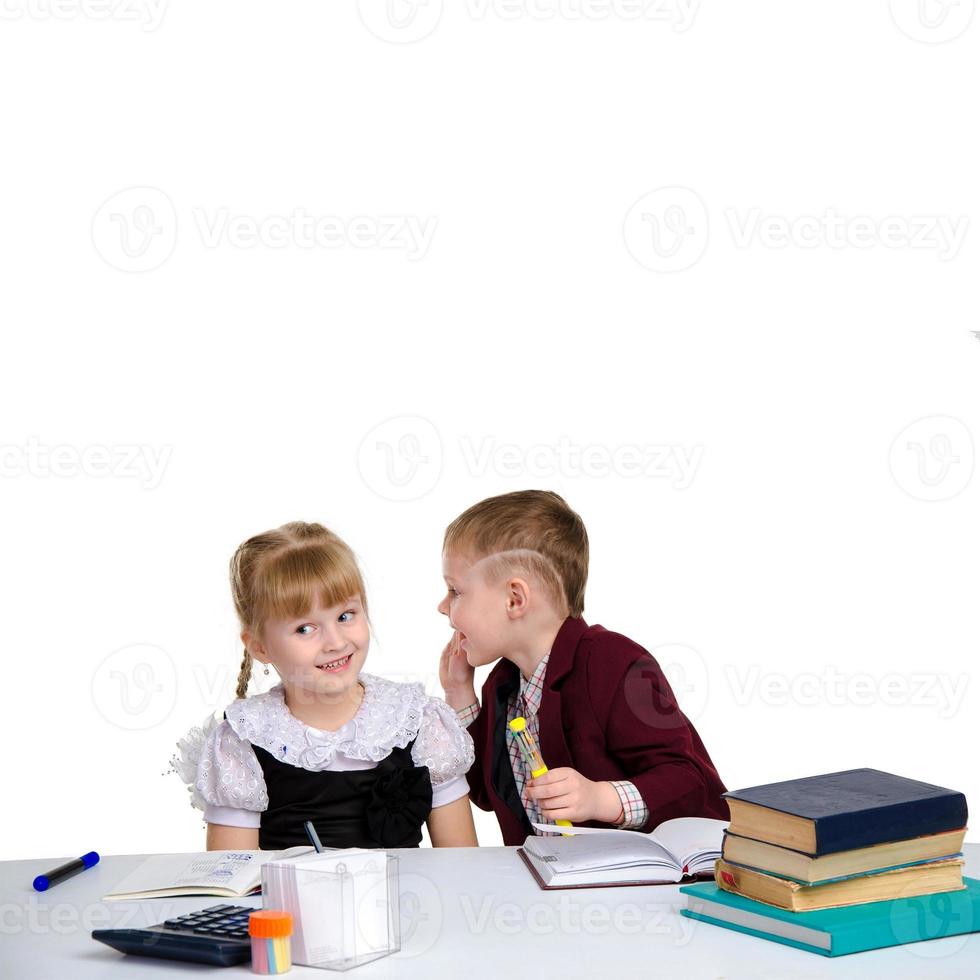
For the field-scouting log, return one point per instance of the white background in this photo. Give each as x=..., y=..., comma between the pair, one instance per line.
x=736, y=235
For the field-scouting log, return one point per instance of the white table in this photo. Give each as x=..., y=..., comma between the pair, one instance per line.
x=467, y=913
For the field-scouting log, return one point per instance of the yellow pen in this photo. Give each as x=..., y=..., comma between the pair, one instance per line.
x=532, y=755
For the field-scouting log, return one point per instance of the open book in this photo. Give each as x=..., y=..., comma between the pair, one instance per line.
x=678, y=850
x=227, y=874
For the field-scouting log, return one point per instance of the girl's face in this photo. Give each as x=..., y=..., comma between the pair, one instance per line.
x=320, y=653
x=476, y=610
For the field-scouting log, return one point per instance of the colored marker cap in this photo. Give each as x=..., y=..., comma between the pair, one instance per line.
x=518, y=725
x=270, y=924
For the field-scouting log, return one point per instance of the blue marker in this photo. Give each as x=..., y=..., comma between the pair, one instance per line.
x=44, y=882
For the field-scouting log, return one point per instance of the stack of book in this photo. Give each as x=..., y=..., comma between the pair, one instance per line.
x=842, y=862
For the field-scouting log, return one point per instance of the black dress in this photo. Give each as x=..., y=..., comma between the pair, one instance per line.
x=381, y=807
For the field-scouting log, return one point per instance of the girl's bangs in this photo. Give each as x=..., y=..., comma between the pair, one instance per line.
x=296, y=581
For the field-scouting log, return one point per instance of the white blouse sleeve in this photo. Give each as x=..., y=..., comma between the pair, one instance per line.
x=222, y=775
x=446, y=748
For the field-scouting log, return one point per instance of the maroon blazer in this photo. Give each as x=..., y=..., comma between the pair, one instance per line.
x=607, y=711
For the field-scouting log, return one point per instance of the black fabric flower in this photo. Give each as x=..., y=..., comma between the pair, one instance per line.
x=400, y=802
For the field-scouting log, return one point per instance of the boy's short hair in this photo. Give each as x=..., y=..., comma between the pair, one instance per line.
x=519, y=530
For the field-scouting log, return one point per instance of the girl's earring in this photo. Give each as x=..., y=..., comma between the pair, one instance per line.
x=266, y=671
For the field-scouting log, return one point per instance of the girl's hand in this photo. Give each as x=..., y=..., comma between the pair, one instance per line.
x=456, y=675
x=565, y=794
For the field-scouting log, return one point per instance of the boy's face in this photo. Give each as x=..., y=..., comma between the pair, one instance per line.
x=322, y=652
x=478, y=611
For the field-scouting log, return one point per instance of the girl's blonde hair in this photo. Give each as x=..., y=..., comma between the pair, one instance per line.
x=284, y=574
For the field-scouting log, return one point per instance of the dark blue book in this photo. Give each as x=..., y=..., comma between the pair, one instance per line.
x=840, y=811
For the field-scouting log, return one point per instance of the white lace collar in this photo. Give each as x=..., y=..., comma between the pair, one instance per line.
x=389, y=717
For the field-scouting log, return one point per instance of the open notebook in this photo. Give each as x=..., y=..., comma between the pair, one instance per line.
x=677, y=850
x=227, y=874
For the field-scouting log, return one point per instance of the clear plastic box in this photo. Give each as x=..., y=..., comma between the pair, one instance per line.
x=345, y=907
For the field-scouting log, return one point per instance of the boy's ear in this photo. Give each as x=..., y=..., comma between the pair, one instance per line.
x=518, y=597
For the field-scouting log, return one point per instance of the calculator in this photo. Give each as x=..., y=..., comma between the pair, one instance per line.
x=217, y=936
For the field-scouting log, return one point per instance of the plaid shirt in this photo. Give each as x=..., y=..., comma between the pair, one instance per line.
x=526, y=702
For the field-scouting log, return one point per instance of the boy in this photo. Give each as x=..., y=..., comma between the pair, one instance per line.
x=620, y=752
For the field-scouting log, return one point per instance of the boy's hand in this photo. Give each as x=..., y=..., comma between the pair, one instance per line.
x=456, y=675
x=565, y=794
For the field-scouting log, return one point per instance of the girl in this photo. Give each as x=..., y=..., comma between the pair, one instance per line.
x=367, y=760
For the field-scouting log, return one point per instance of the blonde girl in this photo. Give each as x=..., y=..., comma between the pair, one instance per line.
x=367, y=760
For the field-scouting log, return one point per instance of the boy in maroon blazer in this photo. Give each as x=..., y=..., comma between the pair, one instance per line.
x=619, y=751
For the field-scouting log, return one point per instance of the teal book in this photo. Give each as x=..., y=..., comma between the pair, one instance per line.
x=836, y=932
